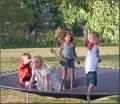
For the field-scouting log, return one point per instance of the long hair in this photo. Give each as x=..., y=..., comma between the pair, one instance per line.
x=60, y=34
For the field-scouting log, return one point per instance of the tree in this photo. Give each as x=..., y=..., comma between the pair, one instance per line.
x=101, y=15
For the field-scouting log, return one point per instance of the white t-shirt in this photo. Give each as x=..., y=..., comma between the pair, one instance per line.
x=54, y=82
x=91, y=62
x=39, y=76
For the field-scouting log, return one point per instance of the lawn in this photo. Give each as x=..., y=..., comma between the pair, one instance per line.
x=10, y=59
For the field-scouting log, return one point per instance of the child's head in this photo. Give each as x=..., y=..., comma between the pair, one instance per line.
x=63, y=36
x=95, y=36
x=25, y=57
x=68, y=38
x=37, y=62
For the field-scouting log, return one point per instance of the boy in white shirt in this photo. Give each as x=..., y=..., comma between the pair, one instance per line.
x=92, y=59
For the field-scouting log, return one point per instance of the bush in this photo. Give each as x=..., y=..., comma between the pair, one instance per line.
x=16, y=41
x=78, y=41
x=20, y=41
x=49, y=40
x=101, y=16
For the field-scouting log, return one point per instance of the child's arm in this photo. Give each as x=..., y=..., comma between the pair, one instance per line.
x=60, y=51
x=75, y=55
x=98, y=55
x=31, y=81
x=85, y=38
x=27, y=61
x=88, y=44
x=47, y=82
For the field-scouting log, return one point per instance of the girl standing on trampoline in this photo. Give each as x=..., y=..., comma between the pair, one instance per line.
x=92, y=59
x=68, y=55
x=45, y=78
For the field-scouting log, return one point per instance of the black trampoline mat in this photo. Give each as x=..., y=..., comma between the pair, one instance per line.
x=107, y=84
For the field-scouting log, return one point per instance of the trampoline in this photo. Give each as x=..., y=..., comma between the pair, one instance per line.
x=108, y=84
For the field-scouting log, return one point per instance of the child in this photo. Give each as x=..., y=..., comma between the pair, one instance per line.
x=68, y=54
x=45, y=78
x=24, y=69
x=92, y=59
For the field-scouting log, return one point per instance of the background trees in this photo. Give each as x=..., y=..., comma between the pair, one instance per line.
x=31, y=23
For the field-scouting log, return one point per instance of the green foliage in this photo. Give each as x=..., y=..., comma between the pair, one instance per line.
x=105, y=19
x=74, y=14
x=16, y=41
x=14, y=16
x=78, y=41
x=18, y=18
x=49, y=40
x=101, y=16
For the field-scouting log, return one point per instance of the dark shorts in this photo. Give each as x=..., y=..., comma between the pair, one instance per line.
x=69, y=64
x=91, y=78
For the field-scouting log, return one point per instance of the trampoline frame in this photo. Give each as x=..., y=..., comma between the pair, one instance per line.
x=49, y=93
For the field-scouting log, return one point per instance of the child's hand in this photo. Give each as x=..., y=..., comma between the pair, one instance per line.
x=27, y=61
x=30, y=85
x=84, y=28
x=78, y=62
x=65, y=59
x=99, y=60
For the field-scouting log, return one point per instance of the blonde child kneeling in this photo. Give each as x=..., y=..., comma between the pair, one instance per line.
x=44, y=76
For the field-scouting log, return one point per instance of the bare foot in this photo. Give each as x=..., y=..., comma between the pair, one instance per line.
x=20, y=86
x=71, y=89
x=63, y=88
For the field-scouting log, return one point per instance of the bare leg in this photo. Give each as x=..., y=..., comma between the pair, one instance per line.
x=63, y=79
x=71, y=78
x=90, y=88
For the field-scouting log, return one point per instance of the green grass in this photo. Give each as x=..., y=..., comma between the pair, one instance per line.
x=10, y=59
x=11, y=96
x=9, y=63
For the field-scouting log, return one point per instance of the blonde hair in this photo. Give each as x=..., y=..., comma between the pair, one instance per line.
x=59, y=34
x=95, y=34
x=38, y=58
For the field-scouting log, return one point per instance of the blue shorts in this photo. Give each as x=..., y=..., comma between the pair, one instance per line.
x=70, y=63
x=91, y=78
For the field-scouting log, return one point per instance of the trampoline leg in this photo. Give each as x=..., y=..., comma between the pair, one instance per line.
x=27, y=98
x=88, y=98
